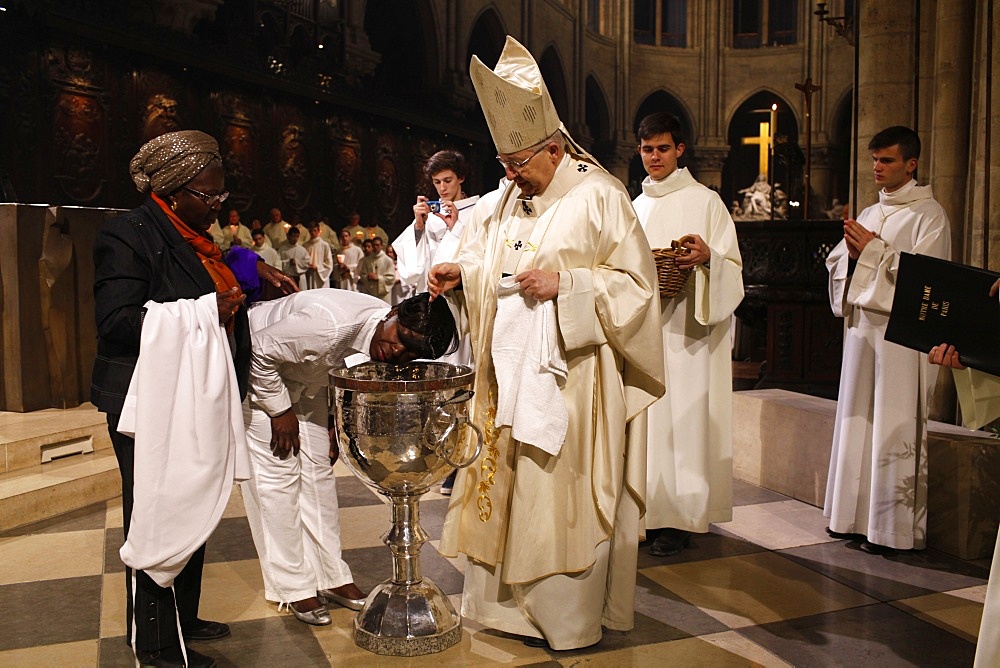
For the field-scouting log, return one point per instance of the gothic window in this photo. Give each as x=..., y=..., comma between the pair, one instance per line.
x=660, y=22
x=764, y=22
x=594, y=15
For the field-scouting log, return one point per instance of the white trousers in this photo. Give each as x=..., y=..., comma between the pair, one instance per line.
x=292, y=506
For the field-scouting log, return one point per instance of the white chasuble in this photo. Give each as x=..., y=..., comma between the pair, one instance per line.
x=877, y=483
x=183, y=409
x=690, y=429
x=519, y=512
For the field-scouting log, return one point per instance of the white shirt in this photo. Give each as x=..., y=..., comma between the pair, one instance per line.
x=299, y=339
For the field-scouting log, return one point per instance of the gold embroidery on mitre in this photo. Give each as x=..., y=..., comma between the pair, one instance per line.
x=489, y=464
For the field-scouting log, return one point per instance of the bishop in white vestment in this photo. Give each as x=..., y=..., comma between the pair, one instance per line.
x=551, y=539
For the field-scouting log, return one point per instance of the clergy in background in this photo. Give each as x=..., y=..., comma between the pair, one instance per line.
x=548, y=515
x=876, y=490
x=689, y=447
x=320, y=259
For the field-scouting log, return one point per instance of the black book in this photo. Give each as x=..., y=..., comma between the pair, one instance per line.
x=937, y=301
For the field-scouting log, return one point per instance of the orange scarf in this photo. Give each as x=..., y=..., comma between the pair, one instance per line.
x=207, y=251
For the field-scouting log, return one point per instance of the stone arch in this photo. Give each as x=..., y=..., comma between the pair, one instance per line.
x=550, y=65
x=656, y=101
x=404, y=34
x=741, y=165
x=597, y=117
x=487, y=38
x=841, y=139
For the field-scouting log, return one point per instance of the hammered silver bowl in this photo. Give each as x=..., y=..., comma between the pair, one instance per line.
x=401, y=429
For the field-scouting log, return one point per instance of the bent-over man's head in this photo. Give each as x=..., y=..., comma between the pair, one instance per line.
x=416, y=328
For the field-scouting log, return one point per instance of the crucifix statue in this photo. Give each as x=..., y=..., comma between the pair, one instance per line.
x=763, y=141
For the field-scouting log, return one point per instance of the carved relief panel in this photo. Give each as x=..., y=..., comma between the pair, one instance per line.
x=79, y=122
x=293, y=160
x=158, y=97
x=387, y=187
x=238, y=144
x=345, y=144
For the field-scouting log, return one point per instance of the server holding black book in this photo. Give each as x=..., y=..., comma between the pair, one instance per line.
x=876, y=490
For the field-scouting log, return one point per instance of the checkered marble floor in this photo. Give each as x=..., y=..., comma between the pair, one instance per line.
x=769, y=588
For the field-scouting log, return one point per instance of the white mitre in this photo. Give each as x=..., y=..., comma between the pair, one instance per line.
x=516, y=103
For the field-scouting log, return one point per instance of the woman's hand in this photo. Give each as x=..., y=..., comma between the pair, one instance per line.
x=228, y=302
x=285, y=435
x=285, y=283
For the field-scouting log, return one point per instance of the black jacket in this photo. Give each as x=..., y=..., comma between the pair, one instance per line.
x=139, y=256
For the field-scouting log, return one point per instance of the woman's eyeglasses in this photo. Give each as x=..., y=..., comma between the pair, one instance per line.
x=210, y=200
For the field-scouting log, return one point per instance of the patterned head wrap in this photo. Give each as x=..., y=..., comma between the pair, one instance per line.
x=167, y=162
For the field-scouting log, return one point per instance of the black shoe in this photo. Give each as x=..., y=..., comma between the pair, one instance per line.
x=203, y=630
x=530, y=641
x=878, y=550
x=449, y=483
x=670, y=542
x=844, y=536
x=172, y=658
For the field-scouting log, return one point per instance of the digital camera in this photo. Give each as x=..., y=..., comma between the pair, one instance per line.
x=434, y=205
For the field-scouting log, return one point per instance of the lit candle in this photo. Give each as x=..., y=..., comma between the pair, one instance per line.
x=774, y=123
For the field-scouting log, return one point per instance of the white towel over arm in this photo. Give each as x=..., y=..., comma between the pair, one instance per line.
x=183, y=409
x=530, y=369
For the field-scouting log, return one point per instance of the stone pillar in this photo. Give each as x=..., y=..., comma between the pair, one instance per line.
x=708, y=163
x=949, y=137
x=359, y=58
x=822, y=176
x=620, y=155
x=48, y=338
x=887, y=76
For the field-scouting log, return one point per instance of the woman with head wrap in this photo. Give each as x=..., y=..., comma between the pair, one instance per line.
x=161, y=253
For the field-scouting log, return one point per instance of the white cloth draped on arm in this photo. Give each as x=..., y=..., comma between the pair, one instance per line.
x=183, y=409
x=530, y=369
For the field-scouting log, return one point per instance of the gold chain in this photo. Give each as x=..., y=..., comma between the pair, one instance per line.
x=489, y=465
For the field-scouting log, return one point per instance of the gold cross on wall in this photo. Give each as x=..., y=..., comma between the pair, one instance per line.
x=763, y=141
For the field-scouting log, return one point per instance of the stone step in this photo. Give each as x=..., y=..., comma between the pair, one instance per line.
x=29, y=439
x=782, y=442
x=39, y=492
x=31, y=490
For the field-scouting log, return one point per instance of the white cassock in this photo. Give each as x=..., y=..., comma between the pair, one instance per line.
x=321, y=256
x=294, y=259
x=352, y=258
x=877, y=484
x=229, y=233
x=268, y=255
x=384, y=269
x=979, y=398
x=292, y=504
x=690, y=429
x=418, y=251
x=552, y=539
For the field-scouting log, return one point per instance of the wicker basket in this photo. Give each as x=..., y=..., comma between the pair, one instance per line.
x=671, y=278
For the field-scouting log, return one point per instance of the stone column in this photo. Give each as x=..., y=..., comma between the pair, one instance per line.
x=887, y=76
x=949, y=138
x=359, y=58
x=708, y=163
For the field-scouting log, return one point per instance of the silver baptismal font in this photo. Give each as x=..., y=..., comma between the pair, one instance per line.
x=402, y=428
